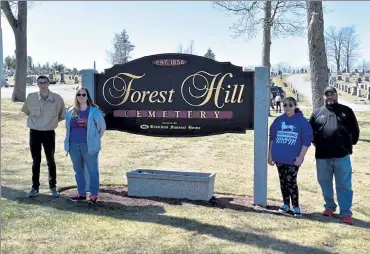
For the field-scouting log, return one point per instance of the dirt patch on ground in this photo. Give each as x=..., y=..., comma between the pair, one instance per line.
x=118, y=195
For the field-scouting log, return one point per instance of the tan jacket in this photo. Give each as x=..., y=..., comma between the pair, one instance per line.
x=44, y=115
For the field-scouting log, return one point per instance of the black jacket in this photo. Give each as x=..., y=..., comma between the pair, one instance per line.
x=335, y=131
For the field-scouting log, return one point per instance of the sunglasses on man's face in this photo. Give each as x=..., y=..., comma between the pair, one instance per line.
x=290, y=105
x=81, y=94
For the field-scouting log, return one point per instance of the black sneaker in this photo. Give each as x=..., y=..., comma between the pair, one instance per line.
x=93, y=199
x=77, y=198
x=33, y=193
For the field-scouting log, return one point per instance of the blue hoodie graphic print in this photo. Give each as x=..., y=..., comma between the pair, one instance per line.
x=288, y=135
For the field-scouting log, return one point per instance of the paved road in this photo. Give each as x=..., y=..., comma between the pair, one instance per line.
x=300, y=83
x=66, y=91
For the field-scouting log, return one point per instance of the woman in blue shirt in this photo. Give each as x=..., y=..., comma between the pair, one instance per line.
x=85, y=126
x=290, y=137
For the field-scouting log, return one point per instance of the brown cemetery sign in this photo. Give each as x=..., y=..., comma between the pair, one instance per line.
x=176, y=95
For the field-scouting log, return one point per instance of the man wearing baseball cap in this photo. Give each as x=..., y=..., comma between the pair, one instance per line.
x=335, y=130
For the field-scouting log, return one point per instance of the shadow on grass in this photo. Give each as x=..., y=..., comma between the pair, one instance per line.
x=364, y=140
x=156, y=214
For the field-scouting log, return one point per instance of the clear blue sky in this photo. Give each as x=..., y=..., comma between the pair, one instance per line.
x=77, y=33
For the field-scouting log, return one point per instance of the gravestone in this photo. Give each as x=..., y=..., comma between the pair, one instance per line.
x=361, y=74
x=346, y=79
x=62, y=81
x=76, y=80
x=353, y=73
x=368, y=93
x=359, y=80
x=29, y=80
x=336, y=85
x=359, y=92
x=349, y=90
x=367, y=78
x=356, y=70
x=340, y=77
x=354, y=91
x=339, y=73
x=345, y=88
x=333, y=79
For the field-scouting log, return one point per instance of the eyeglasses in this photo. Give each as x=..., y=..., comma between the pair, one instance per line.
x=81, y=94
x=43, y=83
x=290, y=105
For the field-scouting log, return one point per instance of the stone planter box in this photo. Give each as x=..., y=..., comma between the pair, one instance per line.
x=171, y=184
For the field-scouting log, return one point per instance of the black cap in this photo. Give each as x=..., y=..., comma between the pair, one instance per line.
x=330, y=89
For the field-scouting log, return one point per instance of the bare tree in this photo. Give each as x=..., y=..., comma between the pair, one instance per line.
x=277, y=19
x=17, y=19
x=334, y=42
x=180, y=49
x=122, y=48
x=191, y=48
x=365, y=65
x=350, y=47
x=317, y=54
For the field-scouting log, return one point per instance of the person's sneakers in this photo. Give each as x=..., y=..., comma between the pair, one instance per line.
x=297, y=212
x=33, y=193
x=328, y=212
x=347, y=219
x=54, y=192
x=93, y=199
x=284, y=209
x=77, y=198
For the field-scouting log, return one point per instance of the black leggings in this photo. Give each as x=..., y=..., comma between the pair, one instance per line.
x=288, y=183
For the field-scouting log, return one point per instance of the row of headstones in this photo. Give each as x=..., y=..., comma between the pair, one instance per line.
x=355, y=91
x=346, y=79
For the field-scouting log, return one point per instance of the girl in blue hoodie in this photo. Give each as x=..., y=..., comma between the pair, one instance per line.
x=85, y=126
x=290, y=137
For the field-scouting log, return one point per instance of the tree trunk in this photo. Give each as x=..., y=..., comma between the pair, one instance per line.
x=19, y=27
x=317, y=53
x=266, y=48
x=338, y=64
x=347, y=62
x=19, y=92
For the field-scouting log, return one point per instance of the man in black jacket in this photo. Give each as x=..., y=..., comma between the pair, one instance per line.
x=335, y=130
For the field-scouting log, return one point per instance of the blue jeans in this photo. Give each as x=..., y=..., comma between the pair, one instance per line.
x=80, y=156
x=342, y=170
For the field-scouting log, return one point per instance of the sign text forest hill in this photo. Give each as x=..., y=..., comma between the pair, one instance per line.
x=176, y=95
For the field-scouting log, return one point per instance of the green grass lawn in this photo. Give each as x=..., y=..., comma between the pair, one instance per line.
x=47, y=225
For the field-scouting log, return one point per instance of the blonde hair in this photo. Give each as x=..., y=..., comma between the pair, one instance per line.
x=76, y=106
